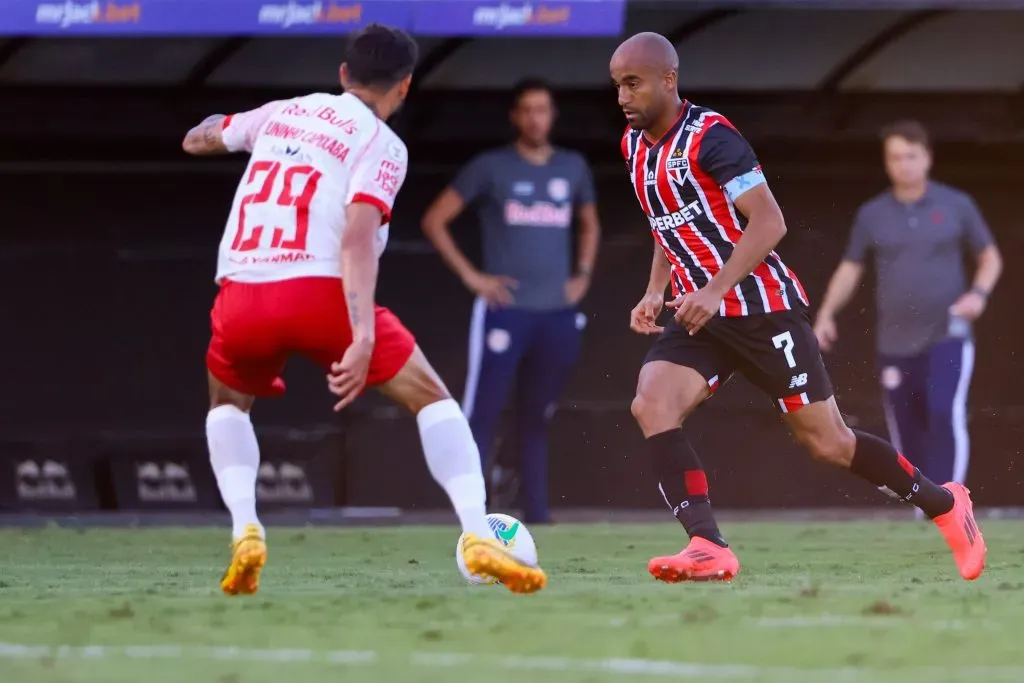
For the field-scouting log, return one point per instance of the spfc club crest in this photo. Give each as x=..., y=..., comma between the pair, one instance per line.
x=677, y=166
x=558, y=189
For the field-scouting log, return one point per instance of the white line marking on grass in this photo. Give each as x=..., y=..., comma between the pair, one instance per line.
x=624, y=668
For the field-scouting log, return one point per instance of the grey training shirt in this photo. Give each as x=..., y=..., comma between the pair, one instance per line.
x=526, y=215
x=919, y=258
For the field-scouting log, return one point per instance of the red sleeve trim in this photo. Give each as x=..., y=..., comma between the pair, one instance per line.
x=227, y=121
x=363, y=198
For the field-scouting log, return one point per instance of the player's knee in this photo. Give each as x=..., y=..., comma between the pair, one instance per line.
x=416, y=385
x=834, y=446
x=655, y=416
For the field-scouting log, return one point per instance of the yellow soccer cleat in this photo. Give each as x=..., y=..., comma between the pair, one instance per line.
x=488, y=558
x=248, y=557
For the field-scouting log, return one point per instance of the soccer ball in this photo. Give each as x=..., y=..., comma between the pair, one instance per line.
x=513, y=534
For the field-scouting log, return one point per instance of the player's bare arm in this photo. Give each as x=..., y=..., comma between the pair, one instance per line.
x=643, y=318
x=840, y=290
x=206, y=139
x=972, y=303
x=588, y=239
x=495, y=289
x=765, y=229
x=360, y=264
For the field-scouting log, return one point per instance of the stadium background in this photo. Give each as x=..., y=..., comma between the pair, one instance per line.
x=109, y=234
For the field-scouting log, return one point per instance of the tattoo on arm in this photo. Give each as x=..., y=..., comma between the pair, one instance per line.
x=353, y=310
x=206, y=137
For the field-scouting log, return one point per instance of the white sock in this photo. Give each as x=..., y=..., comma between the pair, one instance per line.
x=454, y=461
x=235, y=457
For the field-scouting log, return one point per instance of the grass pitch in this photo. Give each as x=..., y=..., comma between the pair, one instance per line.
x=874, y=602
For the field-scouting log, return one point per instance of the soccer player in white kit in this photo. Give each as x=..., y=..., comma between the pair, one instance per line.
x=297, y=270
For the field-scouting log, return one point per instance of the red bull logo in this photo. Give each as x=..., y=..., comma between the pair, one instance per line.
x=88, y=13
x=309, y=13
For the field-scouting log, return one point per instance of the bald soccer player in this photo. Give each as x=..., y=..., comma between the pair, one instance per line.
x=736, y=308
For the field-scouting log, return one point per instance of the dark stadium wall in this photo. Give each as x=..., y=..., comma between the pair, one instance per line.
x=107, y=278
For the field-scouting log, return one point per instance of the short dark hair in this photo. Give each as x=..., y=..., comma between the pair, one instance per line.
x=531, y=84
x=909, y=130
x=380, y=56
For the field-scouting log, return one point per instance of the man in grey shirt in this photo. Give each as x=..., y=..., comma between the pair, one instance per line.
x=525, y=327
x=917, y=232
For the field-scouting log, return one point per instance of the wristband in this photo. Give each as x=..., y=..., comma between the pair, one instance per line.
x=979, y=291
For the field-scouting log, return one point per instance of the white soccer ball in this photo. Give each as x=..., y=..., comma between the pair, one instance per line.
x=513, y=534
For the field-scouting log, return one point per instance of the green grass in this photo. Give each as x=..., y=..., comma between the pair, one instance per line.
x=880, y=601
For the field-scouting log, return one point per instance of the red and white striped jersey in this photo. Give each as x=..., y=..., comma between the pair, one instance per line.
x=310, y=157
x=686, y=183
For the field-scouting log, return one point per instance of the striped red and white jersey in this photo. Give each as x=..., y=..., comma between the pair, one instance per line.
x=687, y=183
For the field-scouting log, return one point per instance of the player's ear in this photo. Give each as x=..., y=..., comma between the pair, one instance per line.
x=404, y=85
x=671, y=80
x=343, y=75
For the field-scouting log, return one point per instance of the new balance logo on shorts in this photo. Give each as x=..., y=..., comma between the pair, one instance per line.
x=798, y=380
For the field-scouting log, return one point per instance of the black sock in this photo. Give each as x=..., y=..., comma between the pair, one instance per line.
x=882, y=465
x=684, y=484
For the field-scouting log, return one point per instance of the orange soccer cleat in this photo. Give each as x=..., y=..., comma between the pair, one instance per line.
x=962, y=534
x=487, y=557
x=242, y=576
x=701, y=560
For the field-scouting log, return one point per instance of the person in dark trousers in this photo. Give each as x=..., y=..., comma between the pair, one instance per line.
x=917, y=232
x=525, y=328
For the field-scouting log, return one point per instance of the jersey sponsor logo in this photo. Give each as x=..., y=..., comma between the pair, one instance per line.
x=539, y=214
x=293, y=152
x=307, y=13
x=558, y=189
x=67, y=14
x=285, y=257
x=798, y=380
x=650, y=179
x=163, y=482
x=284, y=482
x=48, y=480
x=324, y=113
x=677, y=219
x=388, y=175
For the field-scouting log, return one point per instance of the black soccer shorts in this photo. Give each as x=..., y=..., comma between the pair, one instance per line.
x=777, y=352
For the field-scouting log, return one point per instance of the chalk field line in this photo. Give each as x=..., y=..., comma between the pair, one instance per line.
x=618, y=668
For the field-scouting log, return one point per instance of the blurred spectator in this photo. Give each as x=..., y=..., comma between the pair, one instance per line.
x=525, y=327
x=917, y=231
